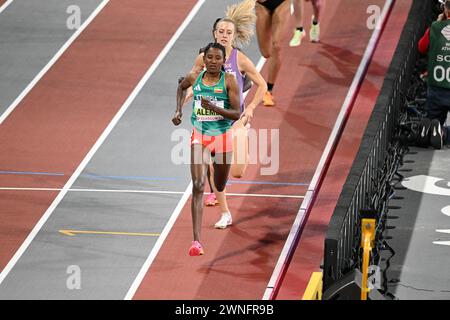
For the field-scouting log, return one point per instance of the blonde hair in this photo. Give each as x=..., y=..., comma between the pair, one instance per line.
x=243, y=16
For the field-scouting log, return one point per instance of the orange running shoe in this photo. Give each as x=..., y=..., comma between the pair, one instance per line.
x=196, y=249
x=211, y=200
x=268, y=99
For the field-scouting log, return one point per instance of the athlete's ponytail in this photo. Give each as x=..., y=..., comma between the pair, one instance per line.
x=243, y=16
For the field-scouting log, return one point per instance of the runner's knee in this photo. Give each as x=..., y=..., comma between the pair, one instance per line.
x=198, y=186
x=276, y=48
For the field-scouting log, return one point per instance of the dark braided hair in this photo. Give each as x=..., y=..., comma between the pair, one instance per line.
x=217, y=46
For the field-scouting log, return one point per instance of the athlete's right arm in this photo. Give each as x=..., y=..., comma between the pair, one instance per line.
x=198, y=67
x=184, y=84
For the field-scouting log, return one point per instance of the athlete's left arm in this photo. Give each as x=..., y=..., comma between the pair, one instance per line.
x=233, y=96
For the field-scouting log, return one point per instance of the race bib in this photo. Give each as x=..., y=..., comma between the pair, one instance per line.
x=207, y=115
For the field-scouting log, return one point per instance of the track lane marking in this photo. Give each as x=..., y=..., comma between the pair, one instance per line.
x=442, y=243
x=302, y=215
x=143, y=271
x=137, y=282
x=98, y=143
x=55, y=58
x=32, y=173
x=71, y=233
x=5, y=5
x=131, y=178
x=150, y=191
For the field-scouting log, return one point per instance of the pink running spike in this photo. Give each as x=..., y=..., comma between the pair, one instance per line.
x=196, y=249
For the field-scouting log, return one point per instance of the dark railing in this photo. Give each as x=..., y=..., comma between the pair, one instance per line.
x=368, y=184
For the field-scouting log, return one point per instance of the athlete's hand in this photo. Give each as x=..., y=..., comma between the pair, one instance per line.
x=208, y=105
x=247, y=116
x=177, y=118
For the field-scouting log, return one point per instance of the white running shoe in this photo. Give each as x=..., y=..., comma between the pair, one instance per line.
x=224, y=221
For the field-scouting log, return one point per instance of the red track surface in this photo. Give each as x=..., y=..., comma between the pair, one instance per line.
x=311, y=88
x=57, y=123
x=309, y=253
x=70, y=107
x=2, y=2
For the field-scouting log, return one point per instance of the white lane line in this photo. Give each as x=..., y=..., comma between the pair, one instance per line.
x=258, y=67
x=97, y=145
x=265, y=195
x=148, y=262
x=442, y=243
x=262, y=195
x=5, y=5
x=55, y=58
x=175, y=214
x=92, y=190
x=302, y=214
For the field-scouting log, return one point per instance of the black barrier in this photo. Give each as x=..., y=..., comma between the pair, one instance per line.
x=367, y=185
